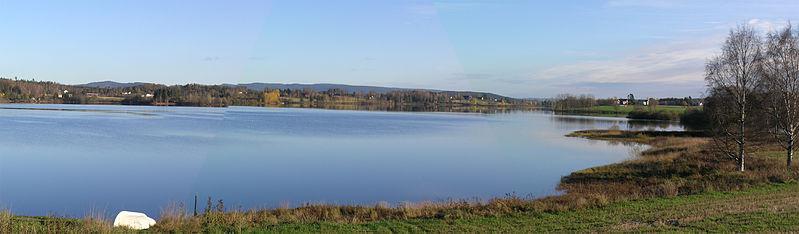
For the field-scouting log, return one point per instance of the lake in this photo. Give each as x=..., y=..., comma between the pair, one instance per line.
x=71, y=159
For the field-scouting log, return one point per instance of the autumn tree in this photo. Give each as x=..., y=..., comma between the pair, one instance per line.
x=733, y=78
x=272, y=98
x=780, y=69
x=653, y=104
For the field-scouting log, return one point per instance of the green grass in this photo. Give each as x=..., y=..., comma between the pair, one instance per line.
x=764, y=208
x=621, y=111
x=663, y=113
x=628, y=109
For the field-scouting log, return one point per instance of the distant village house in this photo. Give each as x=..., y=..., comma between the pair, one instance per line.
x=687, y=101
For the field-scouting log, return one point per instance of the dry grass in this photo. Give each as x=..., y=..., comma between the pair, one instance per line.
x=5, y=221
x=673, y=166
x=96, y=222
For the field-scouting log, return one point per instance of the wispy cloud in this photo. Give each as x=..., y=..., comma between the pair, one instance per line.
x=675, y=62
x=765, y=25
x=760, y=24
x=678, y=65
x=211, y=58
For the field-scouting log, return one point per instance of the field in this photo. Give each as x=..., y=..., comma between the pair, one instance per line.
x=628, y=109
x=765, y=208
x=669, y=113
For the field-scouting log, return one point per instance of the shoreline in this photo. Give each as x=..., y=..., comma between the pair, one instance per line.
x=643, y=113
x=664, y=171
x=410, y=108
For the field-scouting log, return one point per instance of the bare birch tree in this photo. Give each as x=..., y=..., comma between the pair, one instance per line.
x=733, y=76
x=780, y=69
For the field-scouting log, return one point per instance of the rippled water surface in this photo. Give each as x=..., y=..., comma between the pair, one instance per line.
x=70, y=159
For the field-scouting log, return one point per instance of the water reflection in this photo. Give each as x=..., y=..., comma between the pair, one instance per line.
x=589, y=122
x=419, y=108
x=107, y=158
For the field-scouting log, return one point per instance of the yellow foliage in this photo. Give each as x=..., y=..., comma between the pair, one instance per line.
x=272, y=98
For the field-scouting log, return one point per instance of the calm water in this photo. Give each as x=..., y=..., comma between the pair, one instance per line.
x=68, y=159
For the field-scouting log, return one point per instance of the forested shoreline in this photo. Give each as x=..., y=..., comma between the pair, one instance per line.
x=47, y=92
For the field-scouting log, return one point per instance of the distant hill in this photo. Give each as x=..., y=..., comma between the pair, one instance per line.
x=112, y=84
x=316, y=87
x=355, y=89
x=319, y=87
x=264, y=86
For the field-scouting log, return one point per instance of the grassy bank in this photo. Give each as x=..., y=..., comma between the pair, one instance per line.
x=633, y=112
x=627, y=109
x=763, y=208
x=643, y=137
x=677, y=184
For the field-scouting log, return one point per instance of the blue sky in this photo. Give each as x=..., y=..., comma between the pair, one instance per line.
x=517, y=48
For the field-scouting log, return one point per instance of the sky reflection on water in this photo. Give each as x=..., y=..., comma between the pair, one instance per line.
x=114, y=158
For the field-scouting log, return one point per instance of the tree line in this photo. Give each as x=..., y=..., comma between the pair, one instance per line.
x=575, y=101
x=563, y=102
x=32, y=91
x=753, y=92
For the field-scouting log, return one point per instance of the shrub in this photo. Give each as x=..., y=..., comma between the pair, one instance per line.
x=695, y=119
